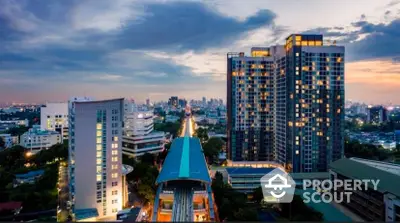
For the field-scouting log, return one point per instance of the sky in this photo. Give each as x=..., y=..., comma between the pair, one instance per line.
x=53, y=50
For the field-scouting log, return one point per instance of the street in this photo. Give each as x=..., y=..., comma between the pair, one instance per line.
x=62, y=209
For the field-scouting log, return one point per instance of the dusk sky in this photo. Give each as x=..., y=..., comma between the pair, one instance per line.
x=53, y=50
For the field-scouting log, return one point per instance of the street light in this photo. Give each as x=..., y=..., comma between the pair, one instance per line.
x=28, y=154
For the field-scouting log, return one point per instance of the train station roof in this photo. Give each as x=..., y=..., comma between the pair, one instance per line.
x=185, y=161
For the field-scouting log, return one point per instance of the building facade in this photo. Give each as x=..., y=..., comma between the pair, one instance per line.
x=95, y=156
x=37, y=139
x=377, y=114
x=286, y=104
x=54, y=116
x=139, y=136
x=309, y=121
x=250, y=105
x=382, y=204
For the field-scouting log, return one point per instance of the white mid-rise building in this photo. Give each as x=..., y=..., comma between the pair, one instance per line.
x=139, y=136
x=54, y=116
x=37, y=139
x=95, y=157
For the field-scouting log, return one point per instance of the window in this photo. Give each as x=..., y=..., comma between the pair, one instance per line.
x=98, y=133
x=98, y=147
x=114, y=210
x=98, y=177
x=114, y=184
x=114, y=175
x=98, y=168
x=114, y=152
x=115, y=201
x=98, y=161
x=115, y=138
x=98, y=140
x=99, y=126
x=115, y=192
x=114, y=167
x=114, y=159
x=98, y=154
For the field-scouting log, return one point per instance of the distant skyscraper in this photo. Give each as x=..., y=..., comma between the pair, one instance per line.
x=309, y=122
x=54, y=117
x=95, y=155
x=148, y=102
x=204, y=101
x=182, y=102
x=250, y=104
x=173, y=101
x=377, y=114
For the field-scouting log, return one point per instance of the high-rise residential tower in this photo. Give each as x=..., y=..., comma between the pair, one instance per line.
x=309, y=115
x=95, y=155
x=250, y=104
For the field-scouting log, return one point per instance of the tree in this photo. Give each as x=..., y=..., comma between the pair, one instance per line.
x=297, y=210
x=2, y=143
x=17, y=131
x=212, y=148
x=258, y=195
x=202, y=134
x=147, y=158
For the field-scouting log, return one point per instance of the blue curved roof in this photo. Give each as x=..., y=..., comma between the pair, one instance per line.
x=185, y=161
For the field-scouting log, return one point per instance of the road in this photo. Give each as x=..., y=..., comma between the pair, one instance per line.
x=187, y=127
x=63, y=194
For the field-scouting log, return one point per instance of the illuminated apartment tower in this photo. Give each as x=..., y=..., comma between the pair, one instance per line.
x=95, y=166
x=250, y=104
x=309, y=83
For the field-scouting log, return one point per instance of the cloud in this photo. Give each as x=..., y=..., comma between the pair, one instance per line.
x=187, y=26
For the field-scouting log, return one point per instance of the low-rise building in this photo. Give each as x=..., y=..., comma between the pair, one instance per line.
x=139, y=136
x=246, y=179
x=29, y=177
x=36, y=139
x=9, y=140
x=382, y=204
x=6, y=125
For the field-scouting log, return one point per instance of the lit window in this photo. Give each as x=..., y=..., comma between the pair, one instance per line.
x=115, y=138
x=98, y=161
x=304, y=43
x=114, y=159
x=114, y=152
x=114, y=175
x=98, y=154
x=297, y=68
x=99, y=126
x=318, y=43
x=98, y=133
x=98, y=177
x=339, y=59
x=98, y=147
x=98, y=140
x=114, y=167
x=298, y=38
x=297, y=54
x=297, y=152
x=98, y=169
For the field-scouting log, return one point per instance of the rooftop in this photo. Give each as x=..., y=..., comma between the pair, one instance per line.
x=126, y=169
x=185, y=161
x=30, y=174
x=81, y=214
x=248, y=170
x=11, y=205
x=361, y=169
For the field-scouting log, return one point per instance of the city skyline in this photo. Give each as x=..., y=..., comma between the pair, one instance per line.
x=121, y=49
